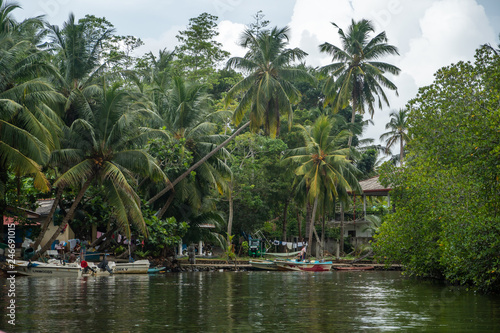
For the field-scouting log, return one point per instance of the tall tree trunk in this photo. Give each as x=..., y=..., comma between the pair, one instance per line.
x=230, y=217
x=285, y=211
x=323, y=235
x=49, y=218
x=341, y=228
x=299, y=219
x=401, y=151
x=354, y=107
x=308, y=218
x=311, y=226
x=197, y=164
x=278, y=123
x=66, y=219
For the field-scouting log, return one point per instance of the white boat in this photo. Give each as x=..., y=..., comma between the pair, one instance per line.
x=136, y=267
x=56, y=268
x=38, y=268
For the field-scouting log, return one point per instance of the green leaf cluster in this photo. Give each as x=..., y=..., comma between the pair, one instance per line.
x=446, y=221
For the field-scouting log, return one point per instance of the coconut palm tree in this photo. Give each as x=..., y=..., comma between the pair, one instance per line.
x=356, y=74
x=102, y=150
x=267, y=91
x=268, y=62
x=189, y=119
x=398, y=131
x=29, y=127
x=323, y=168
x=7, y=21
x=77, y=49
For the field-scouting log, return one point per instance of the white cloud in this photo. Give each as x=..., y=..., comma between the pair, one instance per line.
x=229, y=35
x=311, y=26
x=167, y=40
x=430, y=34
x=451, y=31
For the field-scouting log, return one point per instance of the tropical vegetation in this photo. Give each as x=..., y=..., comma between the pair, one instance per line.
x=190, y=145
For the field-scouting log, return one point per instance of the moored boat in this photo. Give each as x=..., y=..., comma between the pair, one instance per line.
x=305, y=265
x=136, y=267
x=263, y=264
x=37, y=268
x=155, y=270
x=354, y=268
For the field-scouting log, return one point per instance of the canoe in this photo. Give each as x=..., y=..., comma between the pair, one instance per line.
x=305, y=265
x=155, y=270
x=354, y=268
x=266, y=265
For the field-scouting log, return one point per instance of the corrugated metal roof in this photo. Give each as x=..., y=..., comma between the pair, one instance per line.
x=372, y=186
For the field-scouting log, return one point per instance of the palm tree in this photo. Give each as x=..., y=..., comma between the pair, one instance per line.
x=77, y=49
x=398, y=131
x=267, y=91
x=356, y=75
x=29, y=127
x=323, y=168
x=7, y=22
x=102, y=150
x=189, y=119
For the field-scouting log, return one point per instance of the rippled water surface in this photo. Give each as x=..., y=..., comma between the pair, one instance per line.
x=247, y=302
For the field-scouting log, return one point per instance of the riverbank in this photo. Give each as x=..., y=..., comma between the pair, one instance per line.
x=218, y=264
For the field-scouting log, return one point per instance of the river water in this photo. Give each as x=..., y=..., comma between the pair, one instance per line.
x=247, y=302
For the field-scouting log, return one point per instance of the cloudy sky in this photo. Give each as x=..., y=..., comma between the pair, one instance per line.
x=428, y=33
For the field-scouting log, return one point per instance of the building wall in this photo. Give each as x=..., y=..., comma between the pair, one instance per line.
x=358, y=227
x=65, y=236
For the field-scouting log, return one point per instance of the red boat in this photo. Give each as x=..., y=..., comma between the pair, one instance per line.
x=304, y=265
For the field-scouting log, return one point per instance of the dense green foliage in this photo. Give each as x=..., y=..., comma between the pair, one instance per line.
x=84, y=121
x=447, y=222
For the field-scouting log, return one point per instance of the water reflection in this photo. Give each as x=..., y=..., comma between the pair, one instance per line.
x=247, y=302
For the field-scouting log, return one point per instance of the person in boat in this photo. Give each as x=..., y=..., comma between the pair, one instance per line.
x=77, y=247
x=302, y=254
x=86, y=267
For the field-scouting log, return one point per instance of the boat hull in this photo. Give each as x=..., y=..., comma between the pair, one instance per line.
x=306, y=266
x=264, y=265
x=136, y=267
x=354, y=268
x=42, y=269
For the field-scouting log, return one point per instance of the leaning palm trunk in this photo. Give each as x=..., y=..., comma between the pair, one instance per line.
x=49, y=218
x=66, y=219
x=166, y=205
x=311, y=226
x=197, y=164
x=103, y=237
